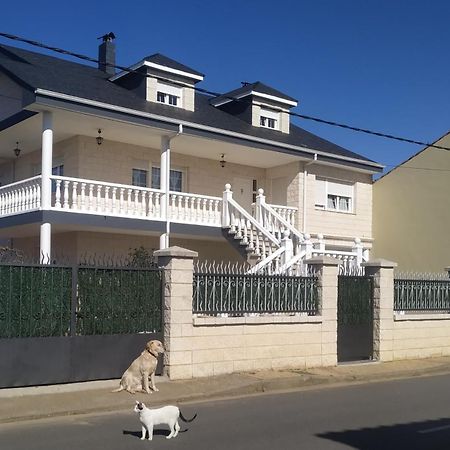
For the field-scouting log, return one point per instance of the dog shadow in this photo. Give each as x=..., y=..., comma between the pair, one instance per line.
x=157, y=432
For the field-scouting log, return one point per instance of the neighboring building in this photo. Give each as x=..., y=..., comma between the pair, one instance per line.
x=112, y=161
x=411, y=214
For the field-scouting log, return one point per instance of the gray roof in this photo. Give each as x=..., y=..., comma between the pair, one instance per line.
x=162, y=60
x=34, y=70
x=257, y=86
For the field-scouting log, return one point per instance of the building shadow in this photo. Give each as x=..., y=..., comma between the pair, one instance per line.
x=424, y=435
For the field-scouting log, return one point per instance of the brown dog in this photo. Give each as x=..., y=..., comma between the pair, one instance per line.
x=141, y=369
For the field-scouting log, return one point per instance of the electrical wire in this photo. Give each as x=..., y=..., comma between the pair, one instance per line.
x=216, y=94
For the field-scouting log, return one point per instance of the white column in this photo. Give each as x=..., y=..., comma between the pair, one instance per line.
x=46, y=190
x=165, y=177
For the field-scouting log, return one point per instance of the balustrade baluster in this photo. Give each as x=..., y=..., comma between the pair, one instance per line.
x=58, y=194
x=129, y=207
x=151, y=208
x=121, y=201
x=216, y=212
x=114, y=200
x=26, y=204
x=8, y=203
x=99, y=197
x=180, y=207
x=106, y=203
x=74, y=195
x=144, y=203
x=137, y=205
x=66, y=195
x=191, y=209
x=38, y=196
x=198, y=215
x=83, y=196
x=158, y=205
x=91, y=197
x=173, y=206
x=204, y=214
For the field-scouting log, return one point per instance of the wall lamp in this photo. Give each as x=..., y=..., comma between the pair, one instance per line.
x=17, y=150
x=222, y=161
x=99, y=138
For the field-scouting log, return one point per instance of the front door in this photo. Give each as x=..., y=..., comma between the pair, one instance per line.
x=243, y=192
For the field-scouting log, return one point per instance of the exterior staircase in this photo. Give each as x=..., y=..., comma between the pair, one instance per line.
x=269, y=241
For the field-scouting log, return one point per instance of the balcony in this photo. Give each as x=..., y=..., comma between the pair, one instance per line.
x=76, y=195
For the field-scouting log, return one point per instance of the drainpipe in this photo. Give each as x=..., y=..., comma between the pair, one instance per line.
x=165, y=184
x=305, y=175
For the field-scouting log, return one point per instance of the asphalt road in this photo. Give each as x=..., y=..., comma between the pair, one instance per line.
x=408, y=414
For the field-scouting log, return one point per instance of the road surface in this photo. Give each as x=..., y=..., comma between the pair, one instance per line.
x=408, y=414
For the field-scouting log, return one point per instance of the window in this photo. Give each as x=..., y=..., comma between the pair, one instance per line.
x=334, y=195
x=139, y=178
x=58, y=171
x=255, y=190
x=175, y=182
x=162, y=97
x=168, y=94
x=269, y=119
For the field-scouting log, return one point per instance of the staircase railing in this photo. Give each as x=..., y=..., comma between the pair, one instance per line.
x=271, y=220
x=245, y=228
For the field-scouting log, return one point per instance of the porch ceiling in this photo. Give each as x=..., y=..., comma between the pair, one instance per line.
x=67, y=124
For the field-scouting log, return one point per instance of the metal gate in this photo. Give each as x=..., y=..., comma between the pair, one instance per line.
x=355, y=318
x=62, y=324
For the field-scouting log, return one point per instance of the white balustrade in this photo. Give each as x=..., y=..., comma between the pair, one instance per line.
x=21, y=196
x=194, y=208
x=96, y=197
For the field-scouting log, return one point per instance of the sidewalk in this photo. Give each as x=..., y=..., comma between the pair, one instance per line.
x=47, y=401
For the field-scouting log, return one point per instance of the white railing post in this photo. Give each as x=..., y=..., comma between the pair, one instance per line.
x=227, y=195
x=288, y=245
x=260, y=200
x=321, y=243
x=358, y=251
x=307, y=246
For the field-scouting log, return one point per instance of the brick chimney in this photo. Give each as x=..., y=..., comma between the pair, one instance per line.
x=107, y=54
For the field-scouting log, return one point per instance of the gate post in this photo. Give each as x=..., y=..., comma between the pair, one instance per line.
x=326, y=269
x=178, y=265
x=382, y=272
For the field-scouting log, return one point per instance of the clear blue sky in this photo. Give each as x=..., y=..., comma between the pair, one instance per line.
x=382, y=65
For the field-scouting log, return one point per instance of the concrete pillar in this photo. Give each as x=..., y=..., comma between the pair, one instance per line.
x=326, y=269
x=178, y=264
x=46, y=187
x=382, y=272
x=165, y=187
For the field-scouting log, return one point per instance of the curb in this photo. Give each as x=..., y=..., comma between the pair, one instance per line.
x=220, y=388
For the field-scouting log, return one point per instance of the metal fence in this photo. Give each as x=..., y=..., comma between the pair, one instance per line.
x=54, y=300
x=237, y=294
x=422, y=293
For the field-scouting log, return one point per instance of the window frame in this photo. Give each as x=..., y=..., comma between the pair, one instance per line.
x=268, y=117
x=327, y=193
x=140, y=170
x=172, y=169
x=169, y=93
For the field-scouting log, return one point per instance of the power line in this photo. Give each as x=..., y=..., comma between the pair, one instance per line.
x=217, y=94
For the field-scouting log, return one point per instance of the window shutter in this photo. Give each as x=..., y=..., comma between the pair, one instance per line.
x=320, y=192
x=341, y=189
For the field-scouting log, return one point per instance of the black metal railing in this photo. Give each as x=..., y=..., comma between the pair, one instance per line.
x=57, y=300
x=421, y=295
x=239, y=294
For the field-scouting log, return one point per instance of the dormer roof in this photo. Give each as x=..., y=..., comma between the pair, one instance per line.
x=256, y=89
x=163, y=63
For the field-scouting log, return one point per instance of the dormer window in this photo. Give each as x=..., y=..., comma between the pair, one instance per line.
x=269, y=119
x=168, y=94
